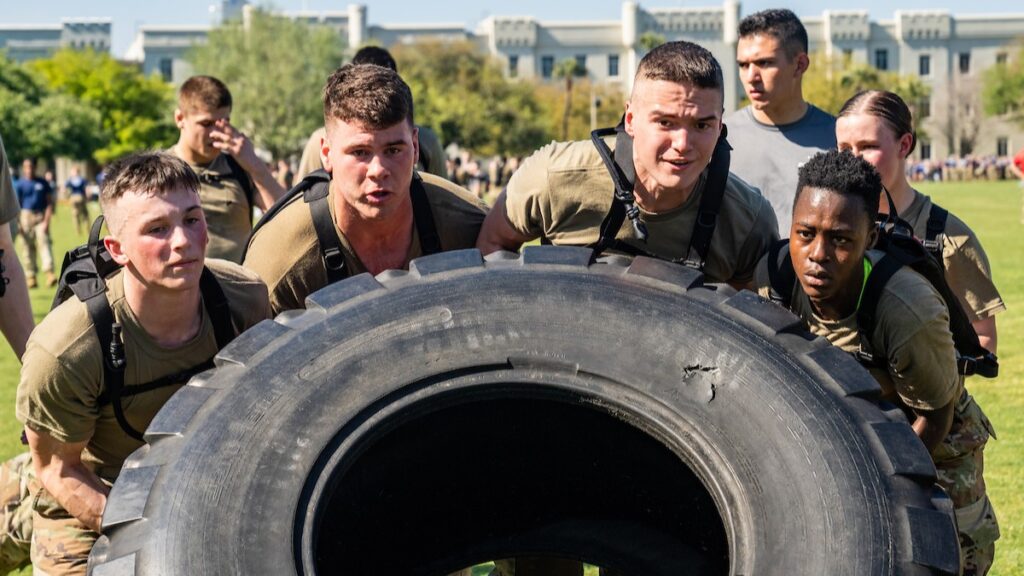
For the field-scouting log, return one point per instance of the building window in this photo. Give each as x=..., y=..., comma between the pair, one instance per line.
x=167, y=69
x=924, y=65
x=925, y=107
x=926, y=150
x=513, y=66
x=847, y=54
x=547, y=66
x=882, y=59
x=613, y=65
x=1002, y=147
x=966, y=147
x=965, y=62
x=1001, y=58
x=581, y=63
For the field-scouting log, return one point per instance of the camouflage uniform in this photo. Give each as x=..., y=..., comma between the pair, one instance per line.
x=959, y=461
x=16, y=481
x=60, y=542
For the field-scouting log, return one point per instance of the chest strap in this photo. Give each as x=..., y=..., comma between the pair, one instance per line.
x=934, y=228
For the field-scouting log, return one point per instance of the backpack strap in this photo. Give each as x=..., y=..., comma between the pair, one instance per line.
x=710, y=204
x=423, y=216
x=867, y=308
x=934, y=228
x=781, y=275
x=239, y=174
x=623, y=201
x=216, y=304
x=331, y=254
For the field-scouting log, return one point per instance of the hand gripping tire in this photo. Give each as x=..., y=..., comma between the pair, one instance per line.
x=617, y=412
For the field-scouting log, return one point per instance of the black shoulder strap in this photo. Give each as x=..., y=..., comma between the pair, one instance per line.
x=623, y=202
x=710, y=203
x=781, y=275
x=934, y=228
x=430, y=242
x=239, y=174
x=331, y=254
x=867, y=314
x=310, y=180
x=216, y=304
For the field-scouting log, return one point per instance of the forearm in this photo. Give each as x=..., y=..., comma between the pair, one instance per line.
x=932, y=426
x=48, y=213
x=78, y=490
x=16, y=321
x=497, y=232
x=268, y=189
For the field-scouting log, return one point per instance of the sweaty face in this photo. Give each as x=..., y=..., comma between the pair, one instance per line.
x=371, y=170
x=160, y=238
x=768, y=74
x=871, y=138
x=830, y=235
x=674, y=129
x=195, y=126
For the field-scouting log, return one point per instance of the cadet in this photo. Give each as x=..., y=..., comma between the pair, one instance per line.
x=779, y=129
x=170, y=314
x=37, y=205
x=914, y=357
x=15, y=313
x=232, y=178
x=658, y=176
x=369, y=210
x=432, y=157
x=877, y=126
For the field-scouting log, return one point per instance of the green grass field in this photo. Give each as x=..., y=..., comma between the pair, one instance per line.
x=993, y=210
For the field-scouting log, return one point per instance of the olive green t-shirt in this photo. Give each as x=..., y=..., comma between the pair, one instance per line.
x=227, y=210
x=61, y=379
x=967, y=268
x=9, y=208
x=911, y=332
x=563, y=193
x=285, y=253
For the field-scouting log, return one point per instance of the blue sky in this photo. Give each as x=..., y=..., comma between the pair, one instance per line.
x=127, y=15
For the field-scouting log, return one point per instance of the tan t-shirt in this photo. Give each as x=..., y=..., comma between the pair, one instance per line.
x=9, y=208
x=967, y=268
x=563, y=193
x=911, y=331
x=228, y=212
x=285, y=253
x=61, y=379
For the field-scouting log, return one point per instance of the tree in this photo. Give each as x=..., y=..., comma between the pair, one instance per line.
x=463, y=95
x=831, y=81
x=131, y=111
x=1003, y=89
x=568, y=69
x=650, y=40
x=276, y=68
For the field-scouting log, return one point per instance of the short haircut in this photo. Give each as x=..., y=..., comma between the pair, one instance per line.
x=682, y=62
x=371, y=95
x=203, y=93
x=781, y=23
x=887, y=106
x=146, y=173
x=375, y=55
x=844, y=174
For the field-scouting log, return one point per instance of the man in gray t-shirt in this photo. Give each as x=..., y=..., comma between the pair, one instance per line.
x=778, y=130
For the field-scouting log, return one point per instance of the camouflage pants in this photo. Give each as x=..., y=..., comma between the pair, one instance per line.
x=16, y=477
x=60, y=542
x=960, y=463
x=80, y=212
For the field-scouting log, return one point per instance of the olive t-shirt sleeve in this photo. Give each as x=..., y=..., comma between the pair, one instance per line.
x=970, y=276
x=53, y=399
x=763, y=233
x=921, y=357
x=527, y=205
x=8, y=200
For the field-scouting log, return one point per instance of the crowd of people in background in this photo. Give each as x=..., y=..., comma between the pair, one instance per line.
x=962, y=168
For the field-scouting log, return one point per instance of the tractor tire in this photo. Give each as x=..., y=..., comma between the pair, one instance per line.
x=618, y=412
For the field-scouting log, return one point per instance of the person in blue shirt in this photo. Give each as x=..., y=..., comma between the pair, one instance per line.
x=75, y=187
x=36, y=199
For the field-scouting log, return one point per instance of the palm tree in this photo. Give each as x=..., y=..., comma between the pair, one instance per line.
x=568, y=69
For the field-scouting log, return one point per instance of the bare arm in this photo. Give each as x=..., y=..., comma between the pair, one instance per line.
x=59, y=467
x=231, y=141
x=986, y=329
x=1015, y=171
x=15, y=311
x=932, y=426
x=497, y=232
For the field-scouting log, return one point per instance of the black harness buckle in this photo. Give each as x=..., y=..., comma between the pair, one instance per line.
x=333, y=259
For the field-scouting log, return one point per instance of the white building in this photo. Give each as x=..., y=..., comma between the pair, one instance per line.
x=24, y=42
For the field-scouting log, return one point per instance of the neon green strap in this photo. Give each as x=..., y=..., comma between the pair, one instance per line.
x=867, y=272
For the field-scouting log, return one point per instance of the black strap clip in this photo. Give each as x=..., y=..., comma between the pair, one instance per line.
x=333, y=259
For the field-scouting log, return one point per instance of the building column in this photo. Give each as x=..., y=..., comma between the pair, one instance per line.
x=356, y=26
x=730, y=35
x=630, y=36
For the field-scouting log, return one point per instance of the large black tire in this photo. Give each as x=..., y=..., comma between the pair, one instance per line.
x=624, y=414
